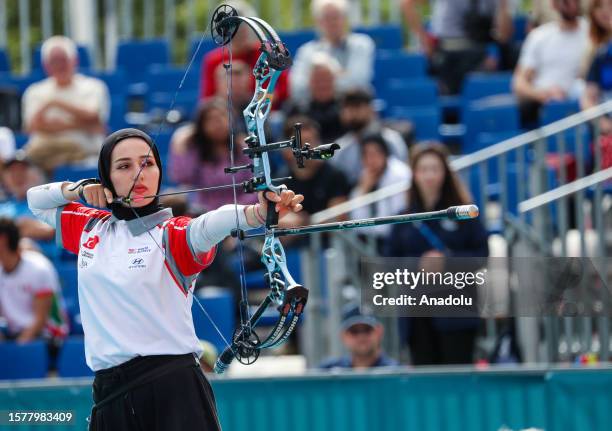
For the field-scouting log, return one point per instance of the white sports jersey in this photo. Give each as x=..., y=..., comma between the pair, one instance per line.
x=134, y=301
x=33, y=277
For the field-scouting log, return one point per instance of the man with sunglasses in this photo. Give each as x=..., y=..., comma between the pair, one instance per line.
x=362, y=337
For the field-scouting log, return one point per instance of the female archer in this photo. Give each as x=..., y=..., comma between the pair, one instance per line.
x=136, y=265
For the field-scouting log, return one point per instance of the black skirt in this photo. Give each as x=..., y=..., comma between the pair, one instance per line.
x=154, y=393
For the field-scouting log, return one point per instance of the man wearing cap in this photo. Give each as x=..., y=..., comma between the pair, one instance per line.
x=362, y=336
x=17, y=176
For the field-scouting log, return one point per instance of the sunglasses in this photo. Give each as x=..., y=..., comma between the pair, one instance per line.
x=360, y=329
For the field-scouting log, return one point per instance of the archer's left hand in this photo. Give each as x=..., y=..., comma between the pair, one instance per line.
x=287, y=202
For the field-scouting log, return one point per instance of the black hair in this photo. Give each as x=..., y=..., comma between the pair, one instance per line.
x=9, y=229
x=378, y=140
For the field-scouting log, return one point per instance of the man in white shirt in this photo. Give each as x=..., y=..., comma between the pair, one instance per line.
x=65, y=113
x=29, y=290
x=354, y=51
x=550, y=61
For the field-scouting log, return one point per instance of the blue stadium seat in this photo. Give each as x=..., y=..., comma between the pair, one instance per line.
x=26, y=361
x=116, y=119
x=71, y=360
x=398, y=64
x=294, y=39
x=115, y=81
x=206, y=46
x=409, y=93
x=135, y=56
x=20, y=83
x=67, y=272
x=478, y=85
x=20, y=140
x=489, y=118
x=219, y=304
x=82, y=52
x=555, y=111
x=426, y=120
x=163, y=92
x=385, y=36
x=5, y=62
x=74, y=173
x=520, y=27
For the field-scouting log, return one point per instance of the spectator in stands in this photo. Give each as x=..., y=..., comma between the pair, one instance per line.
x=198, y=154
x=18, y=176
x=380, y=170
x=599, y=90
x=438, y=340
x=30, y=297
x=354, y=51
x=600, y=30
x=65, y=113
x=323, y=104
x=241, y=93
x=322, y=184
x=542, y=12
x=549, y=64
x=362, y=336
x=244, y=48
x=465, y=36
x=359, y=118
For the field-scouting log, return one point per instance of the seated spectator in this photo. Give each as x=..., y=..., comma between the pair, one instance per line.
x=465, y=36
x=323, y=104
x=30, y=299
x=65, y=113
x=322, y=184
x=359, y=118
x=200, y=151
x=18, y=176
x=600, y=30
x=245, y=48
x=549, y=64
x=599, y=90
x=362, y=336
x=542, y=12
x=241, y=93
x=438, y=340
x=354, y=51
x=380, y=170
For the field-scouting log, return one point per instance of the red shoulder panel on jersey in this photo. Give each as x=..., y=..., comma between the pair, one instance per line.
x=187, y=263
x=73, y=220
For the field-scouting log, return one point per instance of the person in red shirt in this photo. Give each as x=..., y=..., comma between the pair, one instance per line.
x=244, y=48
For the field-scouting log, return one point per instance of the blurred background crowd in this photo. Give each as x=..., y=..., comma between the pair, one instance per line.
x=402, y=101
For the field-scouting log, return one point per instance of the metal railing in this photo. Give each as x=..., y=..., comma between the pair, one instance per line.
x=524, y=183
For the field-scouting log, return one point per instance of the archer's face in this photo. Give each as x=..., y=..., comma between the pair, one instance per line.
x=126, y=160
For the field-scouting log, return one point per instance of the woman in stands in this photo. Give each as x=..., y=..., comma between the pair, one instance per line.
x=136, y=266
x=438, y=340
x=198, y=154
x=380, y=169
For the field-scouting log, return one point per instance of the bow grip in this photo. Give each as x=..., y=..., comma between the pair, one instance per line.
x=271, y=215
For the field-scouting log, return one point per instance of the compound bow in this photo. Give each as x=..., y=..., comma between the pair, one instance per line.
x=284, y=292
